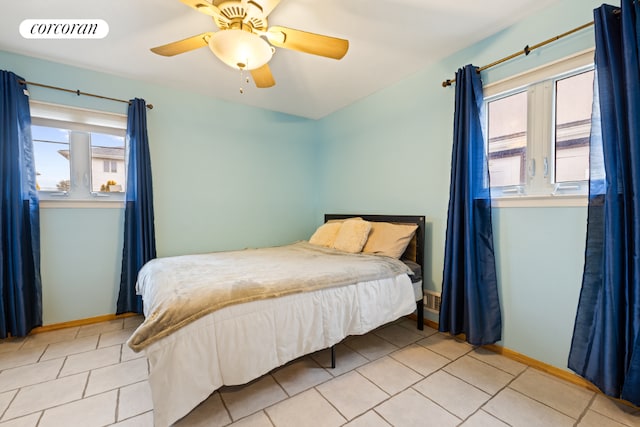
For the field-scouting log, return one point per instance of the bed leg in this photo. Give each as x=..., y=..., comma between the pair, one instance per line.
x=333, y=356
x=420, y=310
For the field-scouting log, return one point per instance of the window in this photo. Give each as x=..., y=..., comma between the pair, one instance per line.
x=574, y=98
x=507, y=139
x=110, y=166
x=79, y=154
x=537, y=130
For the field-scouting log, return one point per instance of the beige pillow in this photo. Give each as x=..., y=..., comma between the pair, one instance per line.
x=352, y=235
x=326, y=234
x=389, y=239
x=344, y=219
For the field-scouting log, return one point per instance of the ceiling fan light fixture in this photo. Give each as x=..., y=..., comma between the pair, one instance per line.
x=240, y=49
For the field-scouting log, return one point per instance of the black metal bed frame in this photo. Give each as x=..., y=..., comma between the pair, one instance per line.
x=419, y=220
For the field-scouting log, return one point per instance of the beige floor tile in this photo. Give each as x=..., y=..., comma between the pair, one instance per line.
x=390, y=375
x=519, y=410
x=11, y=379
x=357, y=389
x=134, y=399
x=98, y=328
x=89, y=360
x=497, y=360
x=453, y=394
x=446, y=346
x=483, y=419
x=5, y=399
x=346, y=360
x=114, y=376
x=369, y=419
x=114, y=338
x=616, y=411
x=11, y=344
x=144, y=420
x=128, y=354
x=352, y=394
x=420, y=359
x=38, y=340
x=370, y=346
x=133, y=322
x=28, y=421
x=567, y=398
x=256, y=420
x=46, y=395
x=253, y=397
x=95, y=411
x=411, y=325
x=478, y=373
x=21, y=357
x=210, y=413
x=307, y=409
x=594, y=419
x=65, y=348
x=398, y=335
x=410, y=409
x=300, y=375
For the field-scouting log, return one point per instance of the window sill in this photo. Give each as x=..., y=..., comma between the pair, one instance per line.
x=81, y=204
x=540, y=201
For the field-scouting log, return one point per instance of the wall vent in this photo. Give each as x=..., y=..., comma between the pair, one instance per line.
x=432, y=301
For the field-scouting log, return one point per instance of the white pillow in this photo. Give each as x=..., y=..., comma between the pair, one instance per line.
x=352, y=235
x=326, y=234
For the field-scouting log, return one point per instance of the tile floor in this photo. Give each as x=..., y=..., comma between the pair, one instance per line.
x=399, y=376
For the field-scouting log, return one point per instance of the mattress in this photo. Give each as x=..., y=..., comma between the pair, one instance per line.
x=417, y=291
x=239, y=343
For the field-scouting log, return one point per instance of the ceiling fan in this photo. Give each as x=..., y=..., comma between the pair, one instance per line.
x=240, y=43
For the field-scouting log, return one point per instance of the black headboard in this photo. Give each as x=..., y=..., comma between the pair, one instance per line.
x=419, y=220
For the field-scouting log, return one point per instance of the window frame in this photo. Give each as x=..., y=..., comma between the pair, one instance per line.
x=80, y=120
x=539, y=83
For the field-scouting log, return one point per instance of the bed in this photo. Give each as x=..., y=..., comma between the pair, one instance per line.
x=197, y=341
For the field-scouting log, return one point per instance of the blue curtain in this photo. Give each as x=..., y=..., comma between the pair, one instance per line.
x=605, y=348
x=20, y=285
x=470, y=302
x=139, y=232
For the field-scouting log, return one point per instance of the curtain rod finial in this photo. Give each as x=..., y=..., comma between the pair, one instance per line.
x=446, y=83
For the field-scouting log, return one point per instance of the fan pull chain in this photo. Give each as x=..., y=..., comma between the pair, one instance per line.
x=245, y=79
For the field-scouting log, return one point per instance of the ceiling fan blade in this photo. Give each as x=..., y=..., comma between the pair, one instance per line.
x=315, y=44
x=207, y=8
x=262, y=76
x=183, y=46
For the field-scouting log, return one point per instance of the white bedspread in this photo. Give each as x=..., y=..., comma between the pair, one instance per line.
x=179, y=290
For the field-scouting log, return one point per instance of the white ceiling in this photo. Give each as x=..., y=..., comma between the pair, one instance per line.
x=388, y=41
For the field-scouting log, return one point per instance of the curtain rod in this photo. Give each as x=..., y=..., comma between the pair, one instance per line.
x=78, y=92
x=526, y=51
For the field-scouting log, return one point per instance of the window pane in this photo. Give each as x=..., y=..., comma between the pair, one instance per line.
x=507, y=139
x=51, y=154
x=107, y=162
x=574, y=98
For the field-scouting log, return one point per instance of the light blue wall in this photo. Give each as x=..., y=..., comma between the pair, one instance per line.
x=391, y=153
x=539, y=257
x=225, y=177
x=80, y=266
